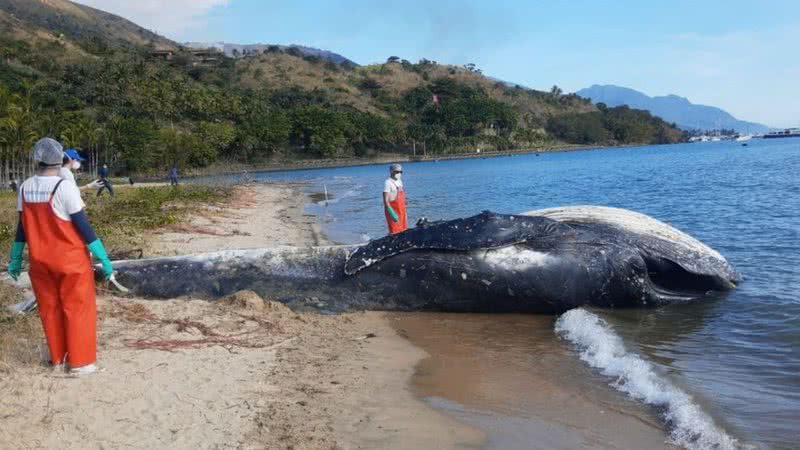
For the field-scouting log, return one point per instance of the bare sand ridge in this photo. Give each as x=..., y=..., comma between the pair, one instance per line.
x=239, y=373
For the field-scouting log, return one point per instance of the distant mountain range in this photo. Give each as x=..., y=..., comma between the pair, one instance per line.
x=231, y=49
x=671, y=108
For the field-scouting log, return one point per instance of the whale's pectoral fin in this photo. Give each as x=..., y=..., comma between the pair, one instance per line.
x=483, y=231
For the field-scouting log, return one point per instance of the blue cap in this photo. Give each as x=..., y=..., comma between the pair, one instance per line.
x=74, y=155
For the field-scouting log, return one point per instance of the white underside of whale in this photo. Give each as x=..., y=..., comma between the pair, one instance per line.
x=515, y=258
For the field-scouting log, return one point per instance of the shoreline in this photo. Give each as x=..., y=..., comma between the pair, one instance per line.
x=511, y=377
x=224, y=169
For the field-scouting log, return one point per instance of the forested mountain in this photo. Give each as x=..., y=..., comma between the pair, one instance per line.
x=671, y=108
x=140, y=102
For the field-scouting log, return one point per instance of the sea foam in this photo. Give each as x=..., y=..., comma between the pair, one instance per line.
x=689, y=426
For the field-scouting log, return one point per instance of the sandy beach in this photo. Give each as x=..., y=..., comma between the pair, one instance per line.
x=239, y=373
x=247, y=372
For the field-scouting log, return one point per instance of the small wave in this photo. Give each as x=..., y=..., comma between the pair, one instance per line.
x=601, y=348
x=337, y=199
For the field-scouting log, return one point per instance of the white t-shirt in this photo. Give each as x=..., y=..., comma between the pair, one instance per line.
x=66, y=174
x=66, y=201
x=392, y=187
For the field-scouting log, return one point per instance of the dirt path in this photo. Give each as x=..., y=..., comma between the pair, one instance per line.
x=240, y=373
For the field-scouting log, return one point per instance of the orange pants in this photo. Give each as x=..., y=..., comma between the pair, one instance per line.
x=68, y=310
x=63, y=281
x=399, y=207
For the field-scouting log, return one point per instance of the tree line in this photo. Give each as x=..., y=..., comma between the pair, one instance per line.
x=613, y=126
x=140, y=114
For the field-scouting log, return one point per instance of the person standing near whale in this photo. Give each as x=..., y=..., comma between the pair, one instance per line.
x=394, y=200
x=54, y=225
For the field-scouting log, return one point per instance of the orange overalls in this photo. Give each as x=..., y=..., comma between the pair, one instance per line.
x=399, y=206
x=63, y=281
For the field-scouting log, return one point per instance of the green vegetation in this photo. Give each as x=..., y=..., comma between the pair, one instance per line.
x=122, y=222
x=619, y=125
x=95, y=82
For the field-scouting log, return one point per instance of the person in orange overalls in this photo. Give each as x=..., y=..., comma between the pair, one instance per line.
x=394, y=200
x=54, y=225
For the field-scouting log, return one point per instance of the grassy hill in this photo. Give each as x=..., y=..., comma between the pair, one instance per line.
x=77, y=23
x=93, y=80
x=391, y=80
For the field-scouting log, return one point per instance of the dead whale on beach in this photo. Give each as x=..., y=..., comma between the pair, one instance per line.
x=545, y=261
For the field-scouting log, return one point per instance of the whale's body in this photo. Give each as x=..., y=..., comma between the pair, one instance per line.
x=543, y=261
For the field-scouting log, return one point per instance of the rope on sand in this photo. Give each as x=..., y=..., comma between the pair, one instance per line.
x=210, y=337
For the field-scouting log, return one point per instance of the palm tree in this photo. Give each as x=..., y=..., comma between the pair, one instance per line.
x=111, y=135
x=19, y=124
x=6, y=99
x=84, y=134
x=73, y=134
x=18, y=136
x=92, y=134
x=5, y=104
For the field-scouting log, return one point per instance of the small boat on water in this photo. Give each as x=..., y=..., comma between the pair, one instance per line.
x=785, y=133
x=744, y=137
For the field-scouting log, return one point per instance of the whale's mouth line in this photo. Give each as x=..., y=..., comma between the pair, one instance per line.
x=671, y=282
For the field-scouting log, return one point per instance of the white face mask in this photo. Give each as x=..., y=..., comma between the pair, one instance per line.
x=76, y=165
x=397, y=176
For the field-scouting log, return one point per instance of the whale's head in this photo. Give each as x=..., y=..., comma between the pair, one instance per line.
x=672, y=265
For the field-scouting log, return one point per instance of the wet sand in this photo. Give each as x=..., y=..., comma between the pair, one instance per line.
x=512, y=378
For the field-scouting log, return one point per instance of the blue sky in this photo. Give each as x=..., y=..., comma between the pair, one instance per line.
x=743, y=56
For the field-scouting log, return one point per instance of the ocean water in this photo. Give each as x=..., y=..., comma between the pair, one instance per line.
x=718, y=374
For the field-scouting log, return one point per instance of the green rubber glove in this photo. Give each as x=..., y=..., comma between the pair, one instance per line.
x=393, y=214
x=15, y=263
x=99, y=252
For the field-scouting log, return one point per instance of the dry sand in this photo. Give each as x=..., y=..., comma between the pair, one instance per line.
x=257, y=216
x=241, y=373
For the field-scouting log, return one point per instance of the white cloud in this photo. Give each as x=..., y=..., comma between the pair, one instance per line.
x=171, y=18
